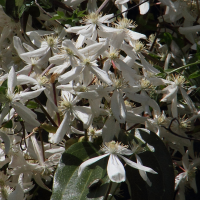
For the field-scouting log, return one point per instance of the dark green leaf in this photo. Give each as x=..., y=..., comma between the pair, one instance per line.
x=162, y=183
x=60, y=13
x=7, y=124
x=67, y=184
x=2, y=2
x=32, y=105
x=195, y=74
x=166, y=38
x=34, y=11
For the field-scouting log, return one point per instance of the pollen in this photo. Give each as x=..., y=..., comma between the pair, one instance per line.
x=64, y=106
x=92, y=18
x=145, y=83
x=139, y=46
x=50, y=40
x=113, y=55
x=113, y=147
x=125, y=23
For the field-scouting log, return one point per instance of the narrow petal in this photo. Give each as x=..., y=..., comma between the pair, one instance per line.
x=118, y=106
x=37, y=150
x=101, y=74
x=62, y=130
x=12, y=80
x=38, y=179
x=115, y=169
x=84, y=114
x=17, y=193
x=6, y=141
x=30, y=95
x=143, y=174
x=26, y=114
x=137, y=166
x=71, y=75
x=144, y=8
x=89, y=162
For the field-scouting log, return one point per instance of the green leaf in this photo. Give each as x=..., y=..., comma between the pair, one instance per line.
x=67, y=184
x=49, y=128
x=8, y=124
x=19, y=2
x=166, y=38
x=195, y=74
x=2, y=2
x=55, y=17
x=32, y=105
x=160, y=160
x=60, y=13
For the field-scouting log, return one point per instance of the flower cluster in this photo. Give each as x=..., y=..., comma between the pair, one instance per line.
x=91, y=81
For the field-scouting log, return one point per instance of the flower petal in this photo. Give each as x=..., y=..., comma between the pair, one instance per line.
x=115, y=169
x=89, y=162
x=137, y=166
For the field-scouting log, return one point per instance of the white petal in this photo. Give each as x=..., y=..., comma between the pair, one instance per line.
x=37, y=150
x=23, y=79
x=118, y=106
x=4, y=112
x=137, y=166
x=89, y=162
x=38, y=180
x=144, y=8
x=30, y=95
x=12, y=80
x=84, y=114
x=71, y=75
x=6, y=141
x=135, y=36
x=115, y=169
x=62, y=130
x=109, y=129
x=26, y=114
x=17, y=193
x=142, y=173
x=101, y=74
x=37, y=53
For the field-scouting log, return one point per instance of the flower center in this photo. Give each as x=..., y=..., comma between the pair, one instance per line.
x=92, y=18
x=51, y=40
x=145, y=83
x=113, y=55
x=125, y=23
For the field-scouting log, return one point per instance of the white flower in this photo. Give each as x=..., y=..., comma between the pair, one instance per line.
x=115, y=168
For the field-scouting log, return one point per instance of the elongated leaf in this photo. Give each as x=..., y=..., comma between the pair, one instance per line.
x=160, y=160
x=194, y=75
x=67, y=184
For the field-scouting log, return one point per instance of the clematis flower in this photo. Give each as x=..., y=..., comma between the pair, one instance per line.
x=115, y=168
x=14, y=99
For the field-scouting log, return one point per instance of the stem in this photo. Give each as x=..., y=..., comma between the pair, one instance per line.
x=110, y=185
x=49, y=14
x=41, y=139
x=86, y=135
x=47, y=69
x=46, y=113
x=55, y=101
x=128, y=9
x=102, y=6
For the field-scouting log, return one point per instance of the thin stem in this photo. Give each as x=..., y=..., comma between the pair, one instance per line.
x=49, y=14
x=47, y=69
x=102, y=6
x=41, y=139
x=110, y=185
x=128, y=9
x=55, y=101
x=86, y=135
x=46, y=113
